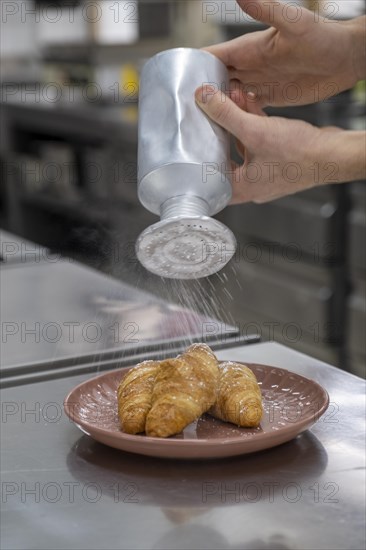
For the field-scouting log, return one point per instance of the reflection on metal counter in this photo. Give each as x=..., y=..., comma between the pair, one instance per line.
x=182, y=163
x=58, y=310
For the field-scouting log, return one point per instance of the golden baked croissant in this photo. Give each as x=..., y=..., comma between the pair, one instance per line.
x=134, y=396
x=185, y=388
x=239, y=397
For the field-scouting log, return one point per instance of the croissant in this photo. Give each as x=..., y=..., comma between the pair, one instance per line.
x=185, y=388
x=238, y=396
x=134, y=396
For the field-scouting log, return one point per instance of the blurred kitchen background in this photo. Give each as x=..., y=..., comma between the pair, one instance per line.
x=69, y=105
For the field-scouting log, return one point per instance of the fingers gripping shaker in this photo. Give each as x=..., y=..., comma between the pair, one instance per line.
x=183, y=158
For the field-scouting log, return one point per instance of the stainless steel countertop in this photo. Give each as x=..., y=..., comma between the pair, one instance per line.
x=14, y=249
x=55, y=310
x=63, y=490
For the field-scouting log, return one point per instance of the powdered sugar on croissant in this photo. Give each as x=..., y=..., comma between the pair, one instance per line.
x=239, y=397
x=185, y=388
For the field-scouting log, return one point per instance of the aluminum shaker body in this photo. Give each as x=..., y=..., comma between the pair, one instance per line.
x=183, y=160
x=181, y=151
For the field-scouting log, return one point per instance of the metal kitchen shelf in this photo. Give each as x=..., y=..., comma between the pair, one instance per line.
x=52, y=370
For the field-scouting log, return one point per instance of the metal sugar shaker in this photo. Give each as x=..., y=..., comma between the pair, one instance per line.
x=183, y=160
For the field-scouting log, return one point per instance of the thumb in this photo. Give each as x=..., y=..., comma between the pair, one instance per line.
x=273, y=12
x=221, y=109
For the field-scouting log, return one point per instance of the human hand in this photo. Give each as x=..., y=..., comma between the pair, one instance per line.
x=301, y=59
x=282, y=156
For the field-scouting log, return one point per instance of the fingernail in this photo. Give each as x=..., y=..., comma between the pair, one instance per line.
x=251, y=96
x=205, y=93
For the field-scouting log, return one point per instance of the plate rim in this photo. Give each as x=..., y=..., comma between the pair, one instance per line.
x=122, y=436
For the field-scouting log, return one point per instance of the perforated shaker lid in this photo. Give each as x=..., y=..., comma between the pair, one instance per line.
x=186, y=247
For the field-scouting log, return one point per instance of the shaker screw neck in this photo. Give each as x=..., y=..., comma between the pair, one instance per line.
x=184, y=205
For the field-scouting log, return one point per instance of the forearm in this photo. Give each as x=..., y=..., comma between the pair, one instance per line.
x=345, y=152
x=357, y=29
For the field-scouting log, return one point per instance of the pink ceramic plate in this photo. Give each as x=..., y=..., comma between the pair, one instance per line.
x=292, y=404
